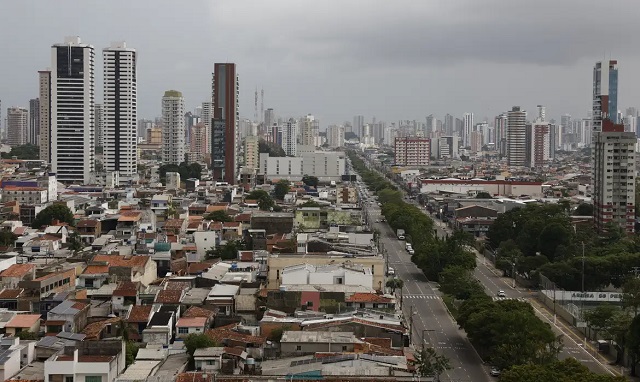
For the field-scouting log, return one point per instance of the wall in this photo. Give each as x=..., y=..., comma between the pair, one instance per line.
x=313, y=347
x=11, y=366
x=205, y=240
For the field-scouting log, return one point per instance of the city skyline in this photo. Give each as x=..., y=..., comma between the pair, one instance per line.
x=450, y=70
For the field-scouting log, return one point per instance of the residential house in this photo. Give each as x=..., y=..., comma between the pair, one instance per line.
x=11, y=276
x=138, y=318
x=44, y=246
x=296, y=343
x=89, y=361
x=119, y=268
x=209, y=359
x=174, y=227
x=231, y=231
x=68, y=316
x=371, y=301
x=14, y=355
x=89, y=230
x=160, y=205
x=230, y=337
x=272, y=222
x=159, y=331
x=339, y=274
x=23, y=322
x=14, y=299
x=51, y=283
x=223, y=298
x=126, y=293
x=108, y=328
x=128, y=224
x=190, y=325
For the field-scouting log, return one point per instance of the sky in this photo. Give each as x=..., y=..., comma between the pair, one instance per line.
x=388, y=59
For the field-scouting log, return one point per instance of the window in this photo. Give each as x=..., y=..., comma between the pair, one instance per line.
x=344, y=347
x=298, y=347
x=183, y=330
x=93, y=378
x=68, y=379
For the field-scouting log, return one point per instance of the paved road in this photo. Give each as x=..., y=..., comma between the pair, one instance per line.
x=430, y=314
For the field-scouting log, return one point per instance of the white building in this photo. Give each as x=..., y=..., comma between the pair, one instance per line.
x=88, y=368
x=448, y=147
x=467, y=129
x=205, y=117
x=251, y=152
x=99, y=115
x=307, y=274
x=335, y=136
x=326, y=165
x=25, y=195
x=72, y=111
x=44, y=91
x=120, y=111
x=173, y=129
x=289, y=133
x=412, y=151
x=309, y=130
x=17, y=122
x=517, y=137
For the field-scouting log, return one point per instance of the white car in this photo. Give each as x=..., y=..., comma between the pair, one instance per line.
x=495, y=372
x=501, y=293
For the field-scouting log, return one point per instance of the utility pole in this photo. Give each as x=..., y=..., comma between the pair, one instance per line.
x=410, y=324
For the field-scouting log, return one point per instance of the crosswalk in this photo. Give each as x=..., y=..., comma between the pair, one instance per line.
x=509, y=298
x=422, y=296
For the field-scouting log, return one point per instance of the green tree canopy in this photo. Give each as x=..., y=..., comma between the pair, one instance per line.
x=27, y=151
x=567, y=370
x=281, y=189
x=431, y=364
x=227, y=251
x=310, y=180
x=186, y=171
x=483, y=195
x=394, y=283
x=584, y=209
x=271, y=148
x=218, y=216
x=56, y=211
x=265, y=202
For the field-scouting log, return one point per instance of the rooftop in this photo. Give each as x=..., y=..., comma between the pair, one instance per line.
x=18, y=270
x=319, y=337
x=23, y=321
x=192, y=322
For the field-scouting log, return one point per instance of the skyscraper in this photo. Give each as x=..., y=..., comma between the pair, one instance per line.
x=467, y=129
x=430, y=126
x=335, y=136
x=516, y=137
x=44, y=90
x=358, y=124
x=17, y=122
x=448, y=124
x=225, y=139
x=613, y=149
x=72, y=111
x=289, y=134
x=309, y=128
x=33, y=133
x=198, y=142
x=120, y=111
x=206, y=117
x=98, y=112
x=173, y=143
x=605, y=93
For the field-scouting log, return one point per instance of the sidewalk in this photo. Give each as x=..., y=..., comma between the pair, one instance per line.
x=570, y=332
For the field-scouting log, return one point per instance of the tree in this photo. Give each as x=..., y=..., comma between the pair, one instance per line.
x=218, y=216
x=56, y=211
x=75, y=242
x=131, y=352
x=276, y=334
x=197, y=341
x=265, y=202
x=311, y=181
x=584, y=209
x=281, y=189
x=27, y=151
x=25, y=335
x=599, y=319
x=7, y=238
x=431, y=364
x=567, y=370
x=394, y=284
x=459, y=282
x=271, y=148
x=310, y=203
x=631, y=294
x=483, y=195
x=227, y=251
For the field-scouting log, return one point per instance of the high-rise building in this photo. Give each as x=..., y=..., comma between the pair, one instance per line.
x=206, y=116
x=120, y=136
x=33, y=133
x=98, y=112
x=269, y=122
x=17, y=123
x=309, y=129
x=358, y=124
x=516, y=137
x=173, y=144
x=335, y=136
x=430, y=126
x=412, y=151
x=500, y=134
x=448, y=147
x=143, y=125
x=613, y=150
x=467, y=128
x=225, y=136
x=289, y=133
x=475, y=141
x=252, y=152
x=44, y=91
x=540, y=144
x=605, y=93
x=72, y=111
x=198, y=142
x=448, y=124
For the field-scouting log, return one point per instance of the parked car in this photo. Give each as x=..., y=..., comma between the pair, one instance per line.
x=501, y=293
x=495, y=372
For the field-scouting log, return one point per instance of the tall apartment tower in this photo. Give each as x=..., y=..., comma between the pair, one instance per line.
x=517, y=137
x=335, y=136
x=289, y=134
x=44, y=91
x=198, y=142
x=605, y=93
x=358, y=124
x=173, y=135
x=467, y=129
x=309, y=128
x=225, y=136
x=98, y=112
x=613, y=149
x=72, y=111
x=206, y=116
x=33, y=133
x=17, y=123
x=120, y=134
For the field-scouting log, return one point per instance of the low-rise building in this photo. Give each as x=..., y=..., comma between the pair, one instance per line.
x=91, y=361
x=25, y=195
x=297, y=343
x=23, y=323
x=343, y=274
x=190, y=325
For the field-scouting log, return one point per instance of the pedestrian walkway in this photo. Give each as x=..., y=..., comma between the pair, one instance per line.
x=523, y=299
x=422, y=296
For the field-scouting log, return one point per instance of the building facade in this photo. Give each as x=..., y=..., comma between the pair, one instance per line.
x=173, y=134
x=517, y=137
x=33, y=133
x=120, y=111
x=198, y=142
x=251, y=152
x=72, y=111
x=225, y=135
x=412, y=151
x=289, y=137
x=99, y=116
x=605, y=93
x=44, y=91
x=335, y=136
x=17, y=126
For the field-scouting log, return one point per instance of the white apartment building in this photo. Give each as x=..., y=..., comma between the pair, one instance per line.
x=173, y=180
x=326, y=165
x=99, y=115
x=448, y=147
x=467, y=129
x=17, y=123
x=72, y=111
x=87, y=368
x=173, y=129
x=517, y=137
x=308, y=274
x=412, y=151
x=120, y=111
x=25, y=195
x=309, y=130
x=205, y=117
x=335, y=136
x=251, y=152
x=44, y=92
x=289, y=133
x=198, y=144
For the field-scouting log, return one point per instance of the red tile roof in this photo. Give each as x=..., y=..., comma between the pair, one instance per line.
x=198, y=267
x=93, y=330
x=126, y=289
x=18, y=270
x=192, y=322
x=139, y=313
x=196, y=311
x=85, y=223
x=169, y=296
x=87, y=358
x=219, y=335
x=368, y=297
x=122, y=261
x=23, y=321
x=95, y=269
x=10, y=293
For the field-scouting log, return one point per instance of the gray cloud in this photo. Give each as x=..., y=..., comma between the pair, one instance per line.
x=392, y=59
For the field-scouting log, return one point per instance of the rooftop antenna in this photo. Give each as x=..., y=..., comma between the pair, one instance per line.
x=255, y=115
x=262, y=105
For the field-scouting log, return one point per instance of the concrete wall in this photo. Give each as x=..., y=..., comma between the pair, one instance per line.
x=291, y=348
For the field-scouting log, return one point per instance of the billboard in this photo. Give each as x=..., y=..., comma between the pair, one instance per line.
x=563, y=295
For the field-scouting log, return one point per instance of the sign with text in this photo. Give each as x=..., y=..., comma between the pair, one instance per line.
x=563, y=295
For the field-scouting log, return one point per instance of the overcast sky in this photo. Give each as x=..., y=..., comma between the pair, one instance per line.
x=392, y=59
